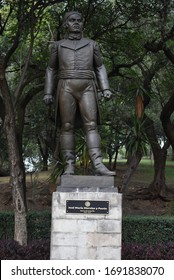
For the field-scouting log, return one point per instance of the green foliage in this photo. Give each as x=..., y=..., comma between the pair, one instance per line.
x=56, y=171
x=136, y=140
x=148, y=230
x=6, y=225
x=135, y=229
x=82, y=156
x=122, y=28
x=38, y=225
x=82, y=159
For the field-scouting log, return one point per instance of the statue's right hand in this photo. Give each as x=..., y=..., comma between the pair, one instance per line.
x=48, y=99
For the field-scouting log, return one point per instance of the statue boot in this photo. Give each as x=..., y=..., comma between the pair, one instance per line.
x=93, y=144
x=68, y=152
x=69, y=159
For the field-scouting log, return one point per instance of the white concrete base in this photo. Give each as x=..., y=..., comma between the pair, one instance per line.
x=77, y=236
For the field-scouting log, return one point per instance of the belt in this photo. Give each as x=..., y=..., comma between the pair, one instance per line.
x=76, y=74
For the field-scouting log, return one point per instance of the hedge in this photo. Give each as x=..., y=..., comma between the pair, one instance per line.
x=38, y=225
x=135, y=229
x=148, y=229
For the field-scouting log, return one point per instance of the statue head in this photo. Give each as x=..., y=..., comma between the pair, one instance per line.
x=73, y=22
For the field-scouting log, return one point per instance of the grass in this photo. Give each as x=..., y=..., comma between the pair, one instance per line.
x=4, y=180
x=43, y=175
x=147, y=167
x=144, y=172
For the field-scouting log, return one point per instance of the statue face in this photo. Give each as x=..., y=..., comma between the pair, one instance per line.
x=74, y=23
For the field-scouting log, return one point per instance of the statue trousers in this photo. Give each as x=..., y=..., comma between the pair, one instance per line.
x=81, y=93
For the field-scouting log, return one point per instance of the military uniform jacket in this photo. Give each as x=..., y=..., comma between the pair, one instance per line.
x=78, y=56
x=75, y=59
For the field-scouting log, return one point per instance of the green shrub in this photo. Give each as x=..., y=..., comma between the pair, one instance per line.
x=148, y=230
x=6, y=225
x=38, y=225
x=135, y=229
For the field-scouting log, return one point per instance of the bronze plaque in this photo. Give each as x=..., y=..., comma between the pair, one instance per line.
x=87, y=206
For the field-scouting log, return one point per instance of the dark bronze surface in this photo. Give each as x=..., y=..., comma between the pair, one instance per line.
x=78, y=64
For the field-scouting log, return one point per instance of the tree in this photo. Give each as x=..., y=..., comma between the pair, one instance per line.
x=19, y=20
x=133, y=35
x=158, y=14
x=162, y=42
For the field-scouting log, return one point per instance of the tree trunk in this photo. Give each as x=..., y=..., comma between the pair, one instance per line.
x=19, y=126
x=172, y=158
x=133, y=163
x=158, y=185
x=45, y=163
x=44, y=153
x=16, y=170
x=167, y=123
x=2, y=109
x=110, y=160
x=115, y=158
x=157, y=188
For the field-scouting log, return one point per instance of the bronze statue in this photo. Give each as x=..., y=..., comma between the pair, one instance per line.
x=79, y=64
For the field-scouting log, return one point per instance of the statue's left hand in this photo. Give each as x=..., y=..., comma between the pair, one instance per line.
x=107, y=93
x=48, y=99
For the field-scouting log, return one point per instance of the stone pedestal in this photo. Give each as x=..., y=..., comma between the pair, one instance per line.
x=86, y=219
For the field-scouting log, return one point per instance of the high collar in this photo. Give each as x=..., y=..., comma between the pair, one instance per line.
x=74, y=44
x=75, y=36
